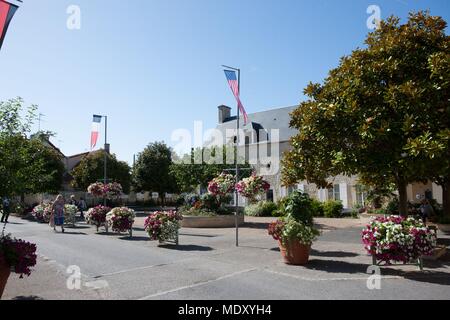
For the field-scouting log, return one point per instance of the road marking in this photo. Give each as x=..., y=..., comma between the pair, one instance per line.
x=328, y=279
x=198, y=284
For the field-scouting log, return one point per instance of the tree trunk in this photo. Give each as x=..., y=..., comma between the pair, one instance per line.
x=446, y=198
x=403, y=198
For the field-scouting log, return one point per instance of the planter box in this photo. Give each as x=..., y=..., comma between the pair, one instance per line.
x=211, y=222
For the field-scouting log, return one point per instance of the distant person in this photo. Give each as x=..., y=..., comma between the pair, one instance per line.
x=426, y=211
x=82, y=206
x=73, y=201
x=6, y=209
x=58, y=212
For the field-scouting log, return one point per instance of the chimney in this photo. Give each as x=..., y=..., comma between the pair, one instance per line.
x=224, y=113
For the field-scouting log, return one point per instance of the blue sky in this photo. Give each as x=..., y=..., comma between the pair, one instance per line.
x=153, y=66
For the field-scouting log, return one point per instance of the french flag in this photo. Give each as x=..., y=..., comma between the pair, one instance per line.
x=7, y=11
x=95, y=130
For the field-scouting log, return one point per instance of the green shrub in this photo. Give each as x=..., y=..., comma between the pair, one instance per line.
x=261, y=209
x=333, y=209
x=354, y=214
x=392, y=208
x=281, y=205
x=317, y=208
x=298, y=207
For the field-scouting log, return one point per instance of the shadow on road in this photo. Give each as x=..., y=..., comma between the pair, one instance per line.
x=135, y=239
x=331, y=266
x=27, y=298
x=189, y=247
x=337, y=254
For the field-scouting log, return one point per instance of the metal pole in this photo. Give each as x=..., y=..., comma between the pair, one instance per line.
x=237, y=162
x=106, y=156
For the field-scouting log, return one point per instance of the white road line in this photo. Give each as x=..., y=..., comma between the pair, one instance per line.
x=329, y=279
x=198, y=284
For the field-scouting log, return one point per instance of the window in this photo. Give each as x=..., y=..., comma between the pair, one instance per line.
x=334, y=193
x=361, y=195
x=269, y=195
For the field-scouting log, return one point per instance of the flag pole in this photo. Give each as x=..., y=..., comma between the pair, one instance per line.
x=236, y=214
x=105, y=176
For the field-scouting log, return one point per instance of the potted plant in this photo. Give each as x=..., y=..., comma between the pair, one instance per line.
x=121, y=220
x=42, y=212
x=294, y=238
x=97, y=216
x=16, y=256
x=252, y=187
x=70, y=212
x=295, y=232
x=163, y=226
x=398, y=239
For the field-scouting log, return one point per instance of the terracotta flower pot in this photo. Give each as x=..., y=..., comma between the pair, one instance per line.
x=5, y=271
x=295, y=253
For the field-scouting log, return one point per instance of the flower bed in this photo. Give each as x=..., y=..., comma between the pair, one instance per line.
x=398, y=239
x=42, y=212
x=163, y=226
x=252, y=187
x=109, y=191
x=97, y=216
x=121, y=219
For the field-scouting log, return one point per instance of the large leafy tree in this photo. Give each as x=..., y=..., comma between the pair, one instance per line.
x=27, y=165
x=91, y=169
x=151, y=171
x=383, y=113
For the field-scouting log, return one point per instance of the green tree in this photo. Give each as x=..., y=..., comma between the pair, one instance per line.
x=152, y=170
x=91, y=169
x=383, y=113
x=27, y=165
x=201, y=166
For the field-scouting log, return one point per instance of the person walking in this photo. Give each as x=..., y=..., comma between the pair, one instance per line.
x=58, y=212
x=82, y=206
x=5, y=209
x=426, y=211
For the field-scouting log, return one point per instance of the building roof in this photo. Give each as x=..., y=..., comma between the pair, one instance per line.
x=271, y=119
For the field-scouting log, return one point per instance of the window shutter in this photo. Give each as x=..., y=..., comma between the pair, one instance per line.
x=344, y=194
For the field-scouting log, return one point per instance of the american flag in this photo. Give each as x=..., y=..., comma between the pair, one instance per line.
x=7, y=11
x=234, y=85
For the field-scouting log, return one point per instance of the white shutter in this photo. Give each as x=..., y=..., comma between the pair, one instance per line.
x=344, y=194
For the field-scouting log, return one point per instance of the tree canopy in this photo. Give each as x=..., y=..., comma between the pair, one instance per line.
x=151, y=171
x=91, y=169
x=383, y=113
x=27, y=165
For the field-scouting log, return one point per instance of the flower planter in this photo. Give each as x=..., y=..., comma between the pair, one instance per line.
x=295, y=253
x=444, y=227
x=211, y=222
x=5, y=271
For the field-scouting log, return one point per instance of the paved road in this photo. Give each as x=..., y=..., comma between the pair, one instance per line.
x=207, y=266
